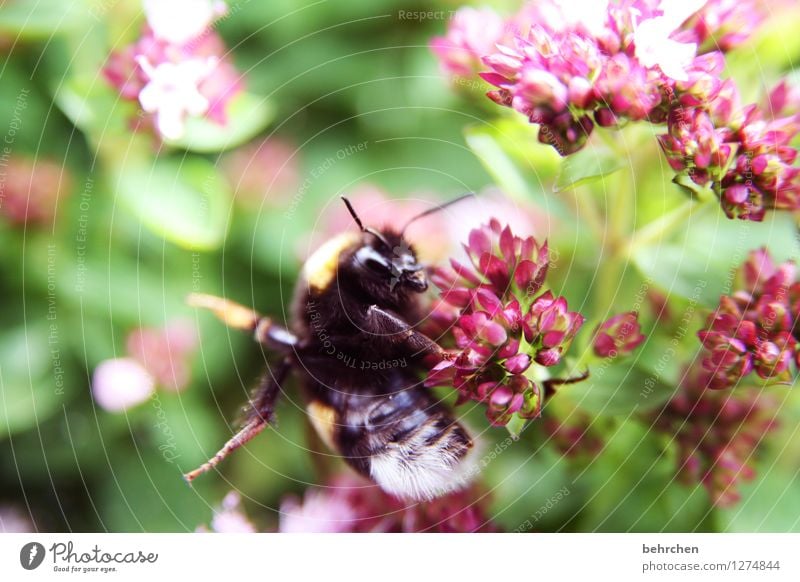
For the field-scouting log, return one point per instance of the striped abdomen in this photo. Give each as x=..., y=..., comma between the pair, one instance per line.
x=405, y=441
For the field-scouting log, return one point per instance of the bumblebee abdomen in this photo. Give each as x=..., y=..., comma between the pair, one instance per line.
x=405, y=441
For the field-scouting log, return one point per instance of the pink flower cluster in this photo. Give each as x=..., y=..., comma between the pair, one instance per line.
x=471, y=34
x=754, y=328
x=722, y=25
x=500, y=325
x=570, y=64
x=742, y=153
x=264, y=172
x=349, y=504
x=717, y=433
x=155, y=357
x=178, y=67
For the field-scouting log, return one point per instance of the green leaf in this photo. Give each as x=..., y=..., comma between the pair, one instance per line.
x=532, y=489
x=592, y=163
x=187, y=201
x=664, y=352
x=681, y=272
x=617, y=388
x=769, y=504
x=698, y=265
x=519, y=139
x=777, y=45
x=31, y=378
x=519, y=178
x=248, y=115
x=91, y=104
x=497, y=163
x=41, y=19
x=633, y=488
x=145, y=492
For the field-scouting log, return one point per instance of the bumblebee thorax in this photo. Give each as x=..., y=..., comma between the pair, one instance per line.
x=320, y=268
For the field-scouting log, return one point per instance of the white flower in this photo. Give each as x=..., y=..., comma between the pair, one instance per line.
x=230, y=518
x=121, y=383
x=179, y=21
x=679, y=11
x=12, y=520
x=592, y=15
x=172, y=92
x=653, y=45
x=319, y=512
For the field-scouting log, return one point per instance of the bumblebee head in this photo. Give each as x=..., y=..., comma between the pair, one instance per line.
x=386, y=258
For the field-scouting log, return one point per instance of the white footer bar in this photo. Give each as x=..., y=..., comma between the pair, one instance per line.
x=401, y=557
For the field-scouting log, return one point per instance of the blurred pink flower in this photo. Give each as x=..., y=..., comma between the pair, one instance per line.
x=725, y=24
x=263, y=172
x=320, y=511
x=32, y=189
x=229, y=517
x=180, y=21
x=471, y=34
x=12, y=520
x=350, y=504
x=378, y=209
x=121, y=383
x=753, y=329
x=573, y=436
x=176, y=69
x=157, y=357
x=618, y=336
x=165, y=352
x=438, y=236
x=718, y=434
x=588, y=18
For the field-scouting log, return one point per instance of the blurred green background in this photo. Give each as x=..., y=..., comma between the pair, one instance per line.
x=139, y=226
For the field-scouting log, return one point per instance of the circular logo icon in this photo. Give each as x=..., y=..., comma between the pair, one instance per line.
x=31, y=555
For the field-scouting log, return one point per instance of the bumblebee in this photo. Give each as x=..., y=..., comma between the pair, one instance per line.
x=353, y=343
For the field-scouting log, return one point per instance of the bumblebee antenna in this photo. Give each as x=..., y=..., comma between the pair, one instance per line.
x=434, y=210
x=353, y=214
x=361, y=226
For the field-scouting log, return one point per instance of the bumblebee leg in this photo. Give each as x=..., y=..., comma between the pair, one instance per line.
x=240, y=317
x=399, y=332
x=259, y=417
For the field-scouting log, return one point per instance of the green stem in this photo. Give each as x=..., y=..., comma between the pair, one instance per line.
x=664, y=226
x=617, y=227
x=585, y=207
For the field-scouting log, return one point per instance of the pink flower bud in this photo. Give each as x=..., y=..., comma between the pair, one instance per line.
x=618, y=336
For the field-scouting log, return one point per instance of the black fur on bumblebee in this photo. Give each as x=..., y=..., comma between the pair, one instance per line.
x=359, y=358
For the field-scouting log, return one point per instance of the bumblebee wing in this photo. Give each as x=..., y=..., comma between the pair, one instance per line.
x=405, y=441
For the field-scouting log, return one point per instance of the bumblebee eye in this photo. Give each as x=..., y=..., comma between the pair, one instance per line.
x=373, y=260
x=377, y=266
